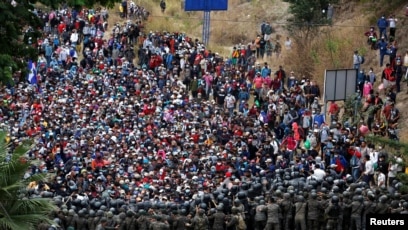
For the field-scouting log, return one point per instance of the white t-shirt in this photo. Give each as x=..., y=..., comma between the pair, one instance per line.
x=319, y=174
x=288, y=44
x=369, y=169
x=74, y=37
x=392, y=22
x=381, y=179
x=392, y=172
x=230, y=100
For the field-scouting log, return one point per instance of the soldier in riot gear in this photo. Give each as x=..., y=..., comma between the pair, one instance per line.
x=346, y=203
x=80, y=222
x=324, y=202
x=130, y=223
x=312, y=211
x=241, y=209
x=121, y=221
x=273, y=211
x=287, y=211
x=180, y=220
x=142, y=221
x=369, y=207
x=90, y=219
x=382, y=206
x=395, y=207
x=70, y=220
x=357, y=207
x=404, y=208
x=111, y=222
x=218, y=218
x=333, y=212
x=300, y=213
x=252, y=204
x=233, y=219
x=159, y=223
x=97, y=219
x=260, y=215
x=200, y=221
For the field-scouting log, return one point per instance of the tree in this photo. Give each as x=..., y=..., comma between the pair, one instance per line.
x=307, y=15
x=20, y=29
x=17, y=209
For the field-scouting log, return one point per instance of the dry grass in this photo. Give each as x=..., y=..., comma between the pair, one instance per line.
x=239, y=24
x=331, y=47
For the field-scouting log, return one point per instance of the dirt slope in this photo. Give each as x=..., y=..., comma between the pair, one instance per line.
x=241, y=23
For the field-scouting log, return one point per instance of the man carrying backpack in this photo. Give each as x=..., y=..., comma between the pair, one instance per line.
x=267, y=31
x=357, y=59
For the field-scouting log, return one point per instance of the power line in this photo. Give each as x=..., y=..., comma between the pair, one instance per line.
x=253, y=21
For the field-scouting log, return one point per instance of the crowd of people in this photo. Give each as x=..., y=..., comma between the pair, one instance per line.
x=181, y=138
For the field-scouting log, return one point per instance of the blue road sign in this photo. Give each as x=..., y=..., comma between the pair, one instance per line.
x=206, y=5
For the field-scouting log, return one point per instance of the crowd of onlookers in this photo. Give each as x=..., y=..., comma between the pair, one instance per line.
x=131, y=122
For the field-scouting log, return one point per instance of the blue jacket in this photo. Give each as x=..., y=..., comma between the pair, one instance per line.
x=169, y=59
x=265, y=72
x=382, y=46
x=382, y=23
x=48, y=50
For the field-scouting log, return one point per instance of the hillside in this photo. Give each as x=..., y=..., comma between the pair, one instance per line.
x=331, y=47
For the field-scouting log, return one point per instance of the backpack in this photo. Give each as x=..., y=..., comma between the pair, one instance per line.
x=293, y=114
x=301, y=132
x=241, y=223
x=361, y=59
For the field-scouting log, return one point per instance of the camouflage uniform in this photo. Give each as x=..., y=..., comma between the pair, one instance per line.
x=260, y=217
x=272, y=222
x=219, y=218
x=312, y=213
x=333, y=212
x=300, y=215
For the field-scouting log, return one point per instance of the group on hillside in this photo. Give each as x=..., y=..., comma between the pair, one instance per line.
x=172, y=140
x=381, y=113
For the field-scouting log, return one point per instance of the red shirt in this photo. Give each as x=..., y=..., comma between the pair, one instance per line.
x=290, y=143
x=334, y=108
x=61, y=27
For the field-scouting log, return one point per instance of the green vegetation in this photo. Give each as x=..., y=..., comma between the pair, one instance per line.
x=306, y=13
x=17, y=211
x=17, y=24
